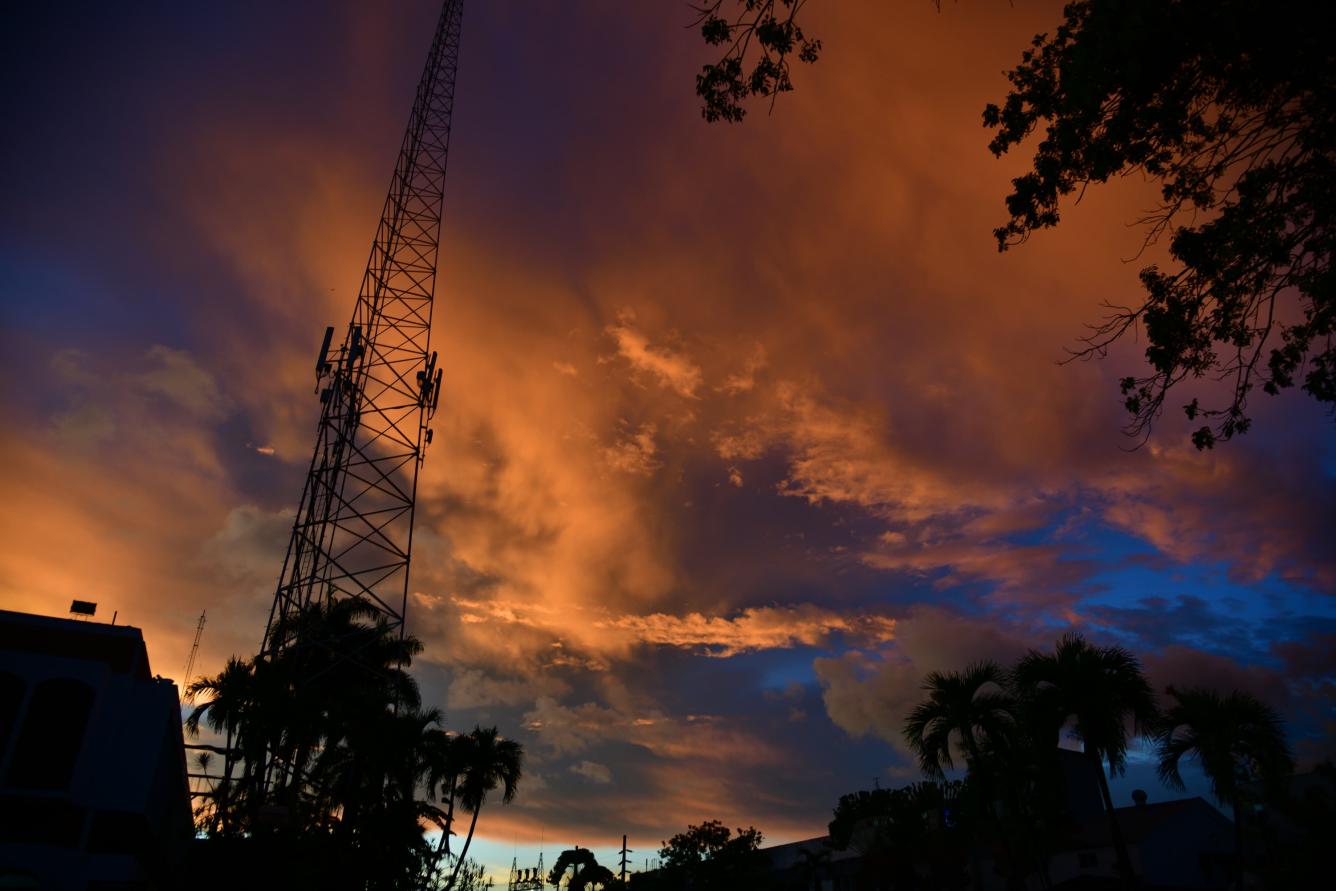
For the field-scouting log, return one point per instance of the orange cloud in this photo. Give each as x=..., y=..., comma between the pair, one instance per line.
x=672, y=369
x=756, y=628
x=752, y=629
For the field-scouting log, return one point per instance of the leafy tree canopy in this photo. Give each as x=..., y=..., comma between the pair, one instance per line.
x=364, y=766
x=1102, y=695
x=586, y=872
x=1227, y=105
x=758, y=37
x=878, y=816
x=1236, y=738
x=709, y=856
x=969, y=706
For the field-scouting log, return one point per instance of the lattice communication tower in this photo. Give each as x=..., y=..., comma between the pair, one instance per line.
x=353, y=534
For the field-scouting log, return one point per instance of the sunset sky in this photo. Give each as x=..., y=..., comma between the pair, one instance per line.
x=745, y=428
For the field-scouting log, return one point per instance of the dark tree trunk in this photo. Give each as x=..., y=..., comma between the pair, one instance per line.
x=1238, y=845
x=465, y=850
x=293, y=788
x=974, y=760
x=443, y=848
x=449, y=818
x=1119, y=845
x=222, y=803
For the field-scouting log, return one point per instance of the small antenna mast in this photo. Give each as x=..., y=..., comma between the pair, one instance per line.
x=625, y=851
x=194, y=651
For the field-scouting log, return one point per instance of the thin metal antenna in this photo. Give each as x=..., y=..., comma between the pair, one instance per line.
x=194, y=651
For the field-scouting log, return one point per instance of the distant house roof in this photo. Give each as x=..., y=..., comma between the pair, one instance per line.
x=1320, y=780
x=800, y=852
x=1139, y=822
x=1104, y=883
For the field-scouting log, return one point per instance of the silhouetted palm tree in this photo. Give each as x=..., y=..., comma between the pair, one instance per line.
x=973, y=707
x=438, y=771
x=492, y=761
x=337, y=711
x=1101, y=689
x=446, y=757
x=348, y=663
x=970, y=706
x=228, y=697
x=1236, y=738
x=226, y=703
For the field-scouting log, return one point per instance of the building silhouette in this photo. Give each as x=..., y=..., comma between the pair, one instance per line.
x=93, y=790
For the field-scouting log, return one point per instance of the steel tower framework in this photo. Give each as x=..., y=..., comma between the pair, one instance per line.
x=353, y=534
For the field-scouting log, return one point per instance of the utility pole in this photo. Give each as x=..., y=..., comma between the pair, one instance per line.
x=625, y=851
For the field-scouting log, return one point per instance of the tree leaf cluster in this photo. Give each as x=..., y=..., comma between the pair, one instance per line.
x=759, y=38
x=1227, y=105
x=925, y=823
x=708, y=857
x=587, y=874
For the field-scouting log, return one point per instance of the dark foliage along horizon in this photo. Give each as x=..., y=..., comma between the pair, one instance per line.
x=363, y=765
x=1006, y=727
